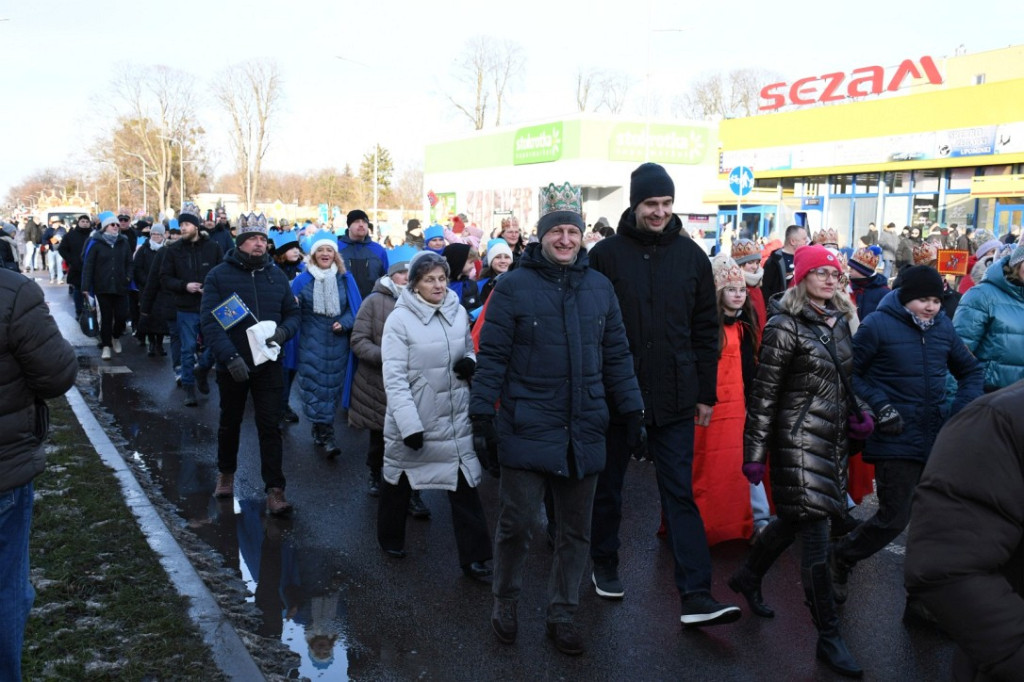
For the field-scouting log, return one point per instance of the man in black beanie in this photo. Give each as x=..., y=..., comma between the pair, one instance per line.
x=364, y=258
x=666, y=291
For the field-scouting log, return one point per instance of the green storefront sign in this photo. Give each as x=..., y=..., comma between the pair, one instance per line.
x=667, y=143
x=538, y=144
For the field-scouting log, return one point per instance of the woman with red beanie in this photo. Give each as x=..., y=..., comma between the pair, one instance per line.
x=801, y=404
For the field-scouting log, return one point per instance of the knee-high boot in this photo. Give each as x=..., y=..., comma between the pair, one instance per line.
x=831, y=648
x=747, y=580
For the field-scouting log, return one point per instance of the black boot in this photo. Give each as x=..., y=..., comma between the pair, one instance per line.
x=766, y=549
x=831, y=648
x=330, y=445
x=748, y=583
x=374, y=487
x=318, y=435
x=417, y=509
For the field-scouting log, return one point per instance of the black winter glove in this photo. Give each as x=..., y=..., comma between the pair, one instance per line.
x=464, y=368
x=239, y=370
x=485, y=443
x=889, y=421
x=414, y=440
x=279, y=336
x=636, y=435
x=341, y=331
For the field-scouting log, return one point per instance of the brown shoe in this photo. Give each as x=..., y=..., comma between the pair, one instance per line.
x=276, y=504
x=225, y=485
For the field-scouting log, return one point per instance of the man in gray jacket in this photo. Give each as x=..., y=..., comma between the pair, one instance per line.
x=36, y=364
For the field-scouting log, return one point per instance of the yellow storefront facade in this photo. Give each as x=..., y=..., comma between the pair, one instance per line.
x=923, y=153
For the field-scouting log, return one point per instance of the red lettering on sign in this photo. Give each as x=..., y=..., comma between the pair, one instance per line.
x=873, y=79
x=834, y=80
x=868, y=80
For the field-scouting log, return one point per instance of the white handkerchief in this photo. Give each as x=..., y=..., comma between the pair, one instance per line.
x=258, y=335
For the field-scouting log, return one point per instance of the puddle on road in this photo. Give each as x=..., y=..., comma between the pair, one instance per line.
x=302, y=602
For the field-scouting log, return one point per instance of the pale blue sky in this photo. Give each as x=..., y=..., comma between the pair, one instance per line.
x=58, y=57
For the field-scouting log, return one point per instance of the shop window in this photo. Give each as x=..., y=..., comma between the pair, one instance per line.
x=840, y=213
x=896, y=210
x=997, y=170
x=865, y=211
x=926, y=180
x=813, y=186
x=897, y=183
x=866, y=183
x=842, y=184
x=788, y=185
x=926, y=210
x=959, y=209
x=960, y=179
x=767, y=183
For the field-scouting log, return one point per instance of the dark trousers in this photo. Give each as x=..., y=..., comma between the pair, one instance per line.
x=375, y=453
x=472, y=538
x=520, y=496
x=113, y=316
x=896, y=480
x=133, y=310
x=671, y=447
x=265, y=386
x=286, y=393
x=779, y=535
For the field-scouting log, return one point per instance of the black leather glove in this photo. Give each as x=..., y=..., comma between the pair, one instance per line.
x=239, y=370
x=485, y=443
x=464, y=368
x=636, y=435
x=889, y=421
x=341, y=331
x=414, y=440
x=279, y=336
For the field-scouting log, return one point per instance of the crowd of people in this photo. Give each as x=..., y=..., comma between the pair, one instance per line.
x=772, y=390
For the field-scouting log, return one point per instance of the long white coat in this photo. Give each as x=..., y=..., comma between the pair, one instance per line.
x=419, y=347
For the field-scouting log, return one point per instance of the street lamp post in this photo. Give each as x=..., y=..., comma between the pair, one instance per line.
x=145, y=202
x=117, y=173
x=181, y=168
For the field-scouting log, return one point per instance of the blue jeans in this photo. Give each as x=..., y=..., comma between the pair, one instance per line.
x=16, y=592
x=188, y=333
x=55, y=261
x=759, y=505
x=671, y=446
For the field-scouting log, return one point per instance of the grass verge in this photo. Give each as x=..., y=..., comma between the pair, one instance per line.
x=105, y=608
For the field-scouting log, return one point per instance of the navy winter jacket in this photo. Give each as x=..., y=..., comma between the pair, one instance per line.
x=868, y=293
x=897, y=363
x=188, y=261
x=552, y=347
x=263, y=288
x=367, y=261
x=108, y=269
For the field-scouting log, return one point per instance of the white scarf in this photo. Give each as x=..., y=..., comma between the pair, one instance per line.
x=325, y=290
x=155, y=246
x=753, y=279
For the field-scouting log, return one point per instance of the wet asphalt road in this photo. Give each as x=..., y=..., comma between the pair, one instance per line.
x=332, y=596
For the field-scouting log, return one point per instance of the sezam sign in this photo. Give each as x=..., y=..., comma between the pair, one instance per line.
x=838, y=86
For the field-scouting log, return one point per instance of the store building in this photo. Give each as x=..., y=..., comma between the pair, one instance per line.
x=928, y=140
x=489, y=175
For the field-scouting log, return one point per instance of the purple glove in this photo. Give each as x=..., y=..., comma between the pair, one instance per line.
x=860, y=426
x=754, y=471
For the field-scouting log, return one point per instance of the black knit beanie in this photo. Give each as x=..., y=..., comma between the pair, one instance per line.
x=919, y=281
x=356, y=215
x=649, y=180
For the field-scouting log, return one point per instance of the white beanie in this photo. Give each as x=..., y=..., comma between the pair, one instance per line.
x=499, y=247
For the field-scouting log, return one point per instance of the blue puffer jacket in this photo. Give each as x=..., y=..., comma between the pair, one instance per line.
x=552, y=346
x=366, y=261
x=869, y=292
x=264, y=290
x=897, y=363
x=324, y=362
x=990, y=320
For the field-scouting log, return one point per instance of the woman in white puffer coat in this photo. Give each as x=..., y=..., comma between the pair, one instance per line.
x=428, y=441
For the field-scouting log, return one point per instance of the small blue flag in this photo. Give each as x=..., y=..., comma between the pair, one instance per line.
x=231, y=312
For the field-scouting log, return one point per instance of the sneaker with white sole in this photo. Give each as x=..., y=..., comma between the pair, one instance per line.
x=606, y=581
x=105, y=354
x=700, y=609
x=116, y=343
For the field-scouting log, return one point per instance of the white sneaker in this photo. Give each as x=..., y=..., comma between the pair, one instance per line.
x=106, y=353
x=117, y=345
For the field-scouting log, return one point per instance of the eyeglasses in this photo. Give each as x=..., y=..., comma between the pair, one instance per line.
x=825, y=274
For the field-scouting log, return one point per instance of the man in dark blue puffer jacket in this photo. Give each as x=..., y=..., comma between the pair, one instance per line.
x=552, y=347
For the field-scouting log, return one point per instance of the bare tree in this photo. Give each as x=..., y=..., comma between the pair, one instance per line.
x=724, y=95
x=613, y=88
x=251, y=96
x=484, y=71
x=154, y=109
x=586, y=80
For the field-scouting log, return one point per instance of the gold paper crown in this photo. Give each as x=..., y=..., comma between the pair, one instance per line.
x=727, y=273
x=867, y=256
x=509, y=222
x=925, y=253
x=826, y=236
x=565, y=197
x=744, y=251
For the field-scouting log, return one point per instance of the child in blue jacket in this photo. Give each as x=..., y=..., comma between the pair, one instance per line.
x=901, y=354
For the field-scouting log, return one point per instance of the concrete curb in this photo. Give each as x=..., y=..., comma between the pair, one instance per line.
x=230, y=654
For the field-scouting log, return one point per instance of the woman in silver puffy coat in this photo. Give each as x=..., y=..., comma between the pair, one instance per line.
x=797, y=415
x=428, y=441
